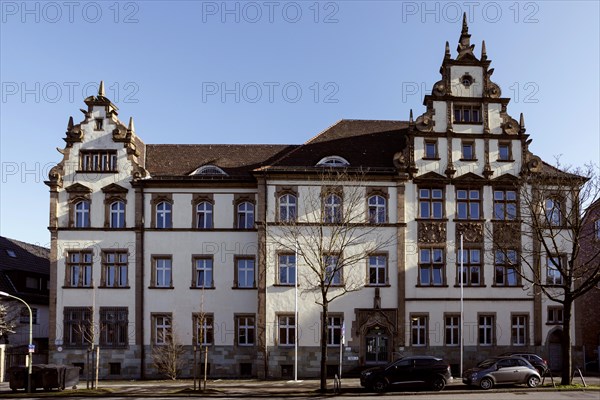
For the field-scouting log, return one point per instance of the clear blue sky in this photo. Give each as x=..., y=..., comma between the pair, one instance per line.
x=274, y=72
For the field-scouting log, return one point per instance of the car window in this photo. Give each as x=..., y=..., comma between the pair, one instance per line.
x=423, y=362
x=505, y=363
x=486, y=363
x=522, y=363
x=404, y=363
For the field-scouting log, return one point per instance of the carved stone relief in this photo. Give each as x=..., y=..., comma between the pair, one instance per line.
x=431, y=232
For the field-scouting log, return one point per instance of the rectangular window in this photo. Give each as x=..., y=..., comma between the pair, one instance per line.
x=79, y=268
x=553, y=268
x=452, y=330
x=33, y=283
x=519, y=330
x=377, y=270
x=418, y=330
x=334, y=329
x=431, y=149
x=162, y=329
x=468, y=204
x=245, y=330
x=77, y=326
x=468, y=150
x=244, y=273
x=597, y=229
x=287, y=330
x=505, y=262
x=24, y=316
x=203, y=272
x=504, y=152
x=555, y=315
x=204, y=328
x=486, y=330
x=471, y=263
x=333, y=269
x=114, y=267
x=467, y=113
x=113, y=326
x=553, y=212
x=98, y=161
x=505, y=204
x=431, y=267
x=162, y=272
x=287, y=269
x=431, y=203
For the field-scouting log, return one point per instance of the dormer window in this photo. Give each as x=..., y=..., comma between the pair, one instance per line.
x=209, y=170
x=98, y=161
x=333, y=161
x=466, y=80
x=467, y=113
x=11, y=253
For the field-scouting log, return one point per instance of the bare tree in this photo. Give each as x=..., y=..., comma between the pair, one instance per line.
x=550, y=234
x=167, y=357
x=332, y=234
x=9, y=318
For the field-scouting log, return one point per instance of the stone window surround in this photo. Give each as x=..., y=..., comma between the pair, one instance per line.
x=451, y=315
x=154, y=258
x=239, y=198
x=237, y=317
x=468, y=188
x=339, y=270
x=123, y=325
x=237, y=258
x=378, y=191
x=387, y=270
x=281, y=191
x=78, y=193
x=156, y=199
x=330, y=316
x=153, y=318
x=526, y=325
x=468, y=142
x=67, y=258
x=493, y=338
x=326, y=191
x=443, y=264
x=517, y=266
x=210, y=321
x=418, y=315
x=510, y=152
x=278, y=337
x=467, y=247
x=436, y=156
x=196, y=257
x=67, y=325
x=103, y=252
x=278, y=272
x=197, y=199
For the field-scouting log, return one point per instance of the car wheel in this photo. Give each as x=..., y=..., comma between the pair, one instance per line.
x=486, y=383
x=380, y=385
x=533, y=381
x=438, y=383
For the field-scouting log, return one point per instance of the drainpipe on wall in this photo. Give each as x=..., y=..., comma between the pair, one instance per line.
x=142, y=269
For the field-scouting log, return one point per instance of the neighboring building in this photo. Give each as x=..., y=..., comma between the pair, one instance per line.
x=149, y=239
x=587, y=314
x=25, y=273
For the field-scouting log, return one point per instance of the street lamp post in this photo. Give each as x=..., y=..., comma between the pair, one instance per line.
x=29, y=349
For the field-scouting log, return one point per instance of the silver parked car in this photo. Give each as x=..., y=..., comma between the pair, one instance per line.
x=502, y=370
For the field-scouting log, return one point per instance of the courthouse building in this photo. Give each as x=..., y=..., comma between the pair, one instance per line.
x=151, y=241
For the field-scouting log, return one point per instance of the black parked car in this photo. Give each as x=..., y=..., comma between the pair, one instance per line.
x=428, y=371
x=538, y=362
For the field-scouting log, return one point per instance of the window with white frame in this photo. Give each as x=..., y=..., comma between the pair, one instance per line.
x=418, y=330
x=245, y=330
x=114, y=266
x=505, y=205
x=431, y=267
x=287, y=269
x=79, y=267
x=333, y=269
x=98, y=160
x=204, y=329
x=287, y=208
x=203, y=272
x=471, y=267
x=82, y=214
x=245, y=273
x=204, y=215
x=334, y=329
x=332, y=208
x=333, y=161
x=468, y=204
x=117, y=214
x=553, y=270
x=519, y=330
x=377, y=209
x=287, y=330
x=431, y=203
x=467, y=113
x=505, y=268
x=245, y=215
x=553, y=212
x=162, y=329
x=452, y=330
x=164, y=217
x=377, y=270
x=486, y=330
x=162, y=272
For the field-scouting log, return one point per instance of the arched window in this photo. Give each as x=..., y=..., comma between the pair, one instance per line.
x=333, y=161
x=204, y=215
x=209, y=170
x=117, y=214
x=163, y=215
x=245, y=215
x=332, y=208
x=377, y=209
x=82, y=214
x=287, y=208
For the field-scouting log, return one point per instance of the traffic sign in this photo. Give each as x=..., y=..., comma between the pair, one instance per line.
x=32, y=348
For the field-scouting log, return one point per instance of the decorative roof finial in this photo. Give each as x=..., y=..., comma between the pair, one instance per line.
x=464, y=43
x=483, y=51
x=522, y=128
x=130, y=127
x=447, y=52
x=70, y=124
x=101, y=89
x=411, y=121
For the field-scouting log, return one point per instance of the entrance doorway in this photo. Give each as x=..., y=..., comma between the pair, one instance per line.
x=555, y=350
x=377, y=346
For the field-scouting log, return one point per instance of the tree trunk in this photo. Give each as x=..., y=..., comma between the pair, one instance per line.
x=566, y=342
x=323, y=387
